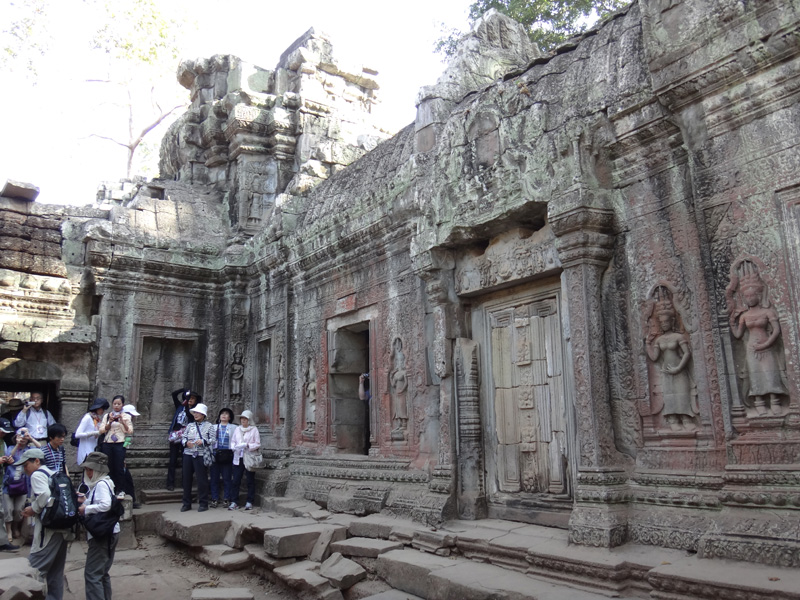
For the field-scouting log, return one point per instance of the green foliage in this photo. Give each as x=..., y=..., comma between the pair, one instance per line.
x=23, y=36
x=137, y=31
x=549, y=22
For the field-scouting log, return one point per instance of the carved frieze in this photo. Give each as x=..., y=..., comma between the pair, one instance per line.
x=513, y=257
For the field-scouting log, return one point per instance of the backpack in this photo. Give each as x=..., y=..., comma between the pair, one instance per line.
x=63, y=512
x=101, y=525
x=74, y=440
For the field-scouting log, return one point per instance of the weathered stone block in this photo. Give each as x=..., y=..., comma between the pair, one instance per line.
x=341, y=572
x=364, y=547
x=299, y=541
x=408, y=570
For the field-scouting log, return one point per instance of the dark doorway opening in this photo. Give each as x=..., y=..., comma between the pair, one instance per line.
x=350, y=415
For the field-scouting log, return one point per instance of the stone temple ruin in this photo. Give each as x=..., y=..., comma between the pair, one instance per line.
x=573, y=281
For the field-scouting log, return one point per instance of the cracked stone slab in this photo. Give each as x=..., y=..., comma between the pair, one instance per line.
x=224, y=557
x=342, y=572
x=365, y=547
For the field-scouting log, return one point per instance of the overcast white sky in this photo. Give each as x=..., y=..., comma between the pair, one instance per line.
x=46, y=128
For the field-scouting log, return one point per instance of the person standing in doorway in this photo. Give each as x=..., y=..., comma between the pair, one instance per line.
x=100, y=552
x=88, y=431
x=49, y=546
x=116, y=425
x=35, y=418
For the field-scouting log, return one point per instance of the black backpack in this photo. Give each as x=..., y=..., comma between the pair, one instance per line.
x=63, y=512
x=101, y=525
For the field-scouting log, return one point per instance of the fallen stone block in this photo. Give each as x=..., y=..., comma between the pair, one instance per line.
x=302, y=576
x=194, y=529
x=224, y=557
x=261, y=558
x=341, y=572
x=220, y=593
x=408, y=570
x=298, y=541
x=364, y=547
x=435, y=542
x=321, y=549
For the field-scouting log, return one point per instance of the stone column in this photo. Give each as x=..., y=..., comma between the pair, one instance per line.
x=471, y=491
x=436, y=267
x=583, y=228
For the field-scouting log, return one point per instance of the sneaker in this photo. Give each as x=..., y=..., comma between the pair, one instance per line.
x=202, y=509
x=248, y=506
x=233, y=506
x=213, y=504
x=185, y=508
x=9, y=548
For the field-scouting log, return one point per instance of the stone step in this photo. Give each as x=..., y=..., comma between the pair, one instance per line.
x=162, y=496
x=225, y=558
x=392, y=595
x=220, y=593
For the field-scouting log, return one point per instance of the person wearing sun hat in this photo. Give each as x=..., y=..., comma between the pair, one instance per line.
x=48, y=552
x=245, y=439
x=100, y=551
x=184, y=400
x=196, y=437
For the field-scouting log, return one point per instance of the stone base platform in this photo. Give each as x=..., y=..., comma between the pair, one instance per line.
x=321, y=555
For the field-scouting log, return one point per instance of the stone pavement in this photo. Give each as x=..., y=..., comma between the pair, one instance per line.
x=295, y=549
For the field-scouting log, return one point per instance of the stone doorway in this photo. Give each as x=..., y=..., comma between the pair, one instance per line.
x=349, y=357
x=525, y=403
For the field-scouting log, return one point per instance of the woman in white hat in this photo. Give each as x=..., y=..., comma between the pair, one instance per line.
x=100, y=552
x=245, y=439
x=196, y=437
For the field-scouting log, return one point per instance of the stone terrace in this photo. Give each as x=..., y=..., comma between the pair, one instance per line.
x=322, y=555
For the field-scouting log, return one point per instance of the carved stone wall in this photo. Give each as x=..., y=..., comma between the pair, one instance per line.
x=641, y=179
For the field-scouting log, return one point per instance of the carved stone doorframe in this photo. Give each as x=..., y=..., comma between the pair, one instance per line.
x=584, y=241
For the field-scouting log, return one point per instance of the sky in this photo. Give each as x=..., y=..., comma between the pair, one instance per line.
x=51, y=123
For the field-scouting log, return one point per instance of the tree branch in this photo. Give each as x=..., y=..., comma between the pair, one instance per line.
x=110, y=139
x=154, y=124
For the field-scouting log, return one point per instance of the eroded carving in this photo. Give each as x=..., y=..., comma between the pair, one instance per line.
x=398, y=385
x=754, y=321
x=673, y=391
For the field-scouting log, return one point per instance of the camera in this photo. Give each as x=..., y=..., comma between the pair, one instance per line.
x=29, y=403
x=365, y=375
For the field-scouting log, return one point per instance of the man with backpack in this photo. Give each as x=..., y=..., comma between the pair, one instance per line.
x=52, y=505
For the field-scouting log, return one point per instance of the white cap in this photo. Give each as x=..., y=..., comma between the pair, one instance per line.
x=131, y=410
x=247, y=415
x=200, y=408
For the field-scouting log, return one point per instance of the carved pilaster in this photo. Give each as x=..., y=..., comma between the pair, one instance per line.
x=584, y=240
x=436, y=268
x=471, y=495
